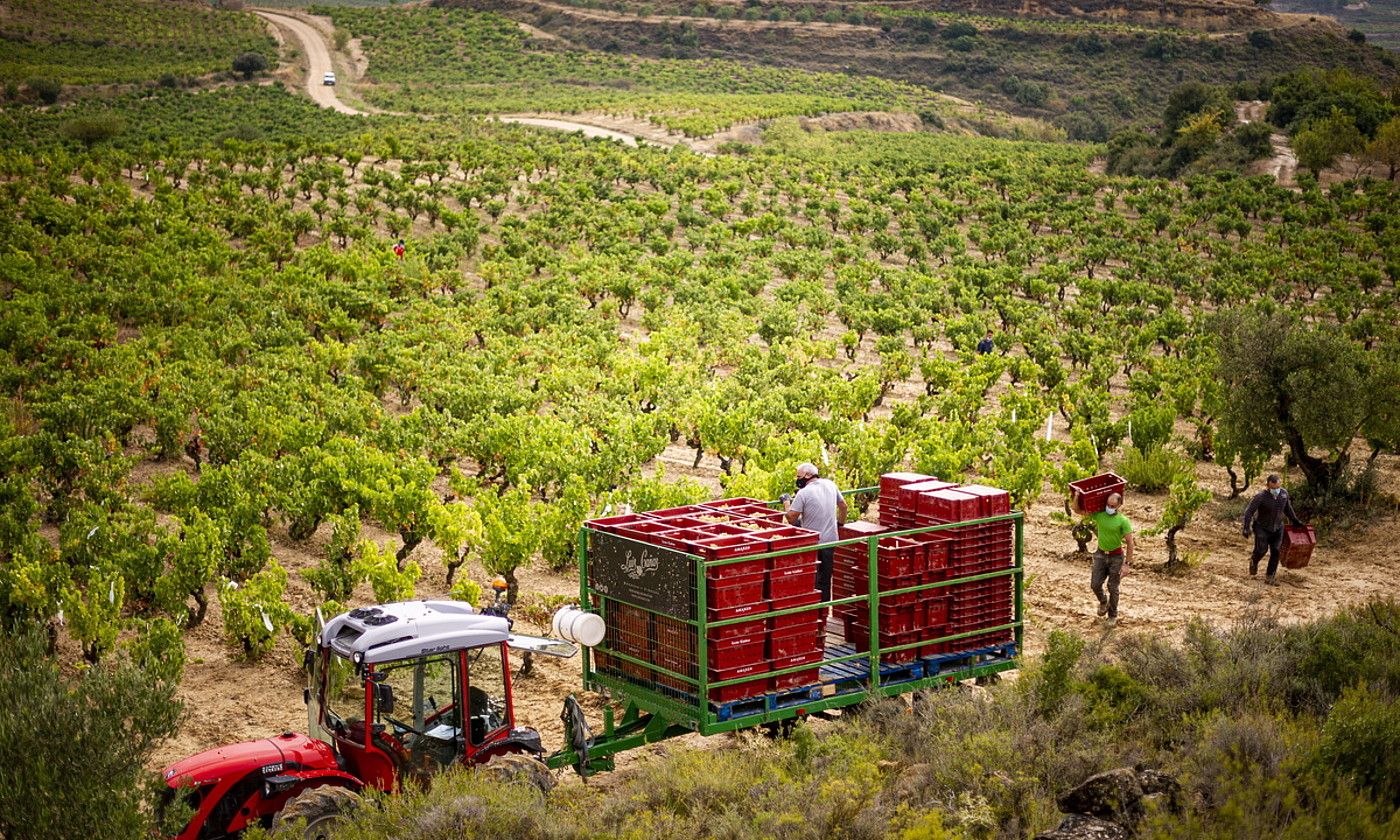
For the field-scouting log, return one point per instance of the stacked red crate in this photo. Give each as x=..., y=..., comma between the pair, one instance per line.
x=725, y=530
x=974, y=550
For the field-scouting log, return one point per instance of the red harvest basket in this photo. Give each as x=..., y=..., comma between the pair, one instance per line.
x=1297, y=546
x=1093, y=492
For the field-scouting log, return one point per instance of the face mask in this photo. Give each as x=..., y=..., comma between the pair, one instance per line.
x=802, y=482
x=1110, y=511
x=1276, y=490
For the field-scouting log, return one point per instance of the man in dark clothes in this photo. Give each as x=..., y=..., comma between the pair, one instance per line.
x=1266, y=512
x=986, y=346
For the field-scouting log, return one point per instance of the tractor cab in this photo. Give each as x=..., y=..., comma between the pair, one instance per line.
x=403, y=690
x=396, y=692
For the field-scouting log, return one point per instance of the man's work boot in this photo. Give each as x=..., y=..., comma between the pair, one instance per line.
x=1103, y=608
x=1271, y=580
x=1253, y=566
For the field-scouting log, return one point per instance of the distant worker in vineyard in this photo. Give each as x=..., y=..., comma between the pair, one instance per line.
x=817, y=506
x=399, y=249
x=1265, y=514
x=1114, y=554
x=986, y=345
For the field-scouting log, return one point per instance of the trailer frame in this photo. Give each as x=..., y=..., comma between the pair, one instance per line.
x=856, y=677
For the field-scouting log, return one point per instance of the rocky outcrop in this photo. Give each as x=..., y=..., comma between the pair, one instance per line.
x=1109, y=805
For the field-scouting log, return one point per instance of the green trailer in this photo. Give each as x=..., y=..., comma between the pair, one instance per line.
x=661, y=702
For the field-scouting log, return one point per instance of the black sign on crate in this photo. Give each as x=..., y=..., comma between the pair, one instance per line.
x=649, y=576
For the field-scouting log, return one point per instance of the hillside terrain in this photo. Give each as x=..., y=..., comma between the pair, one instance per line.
x=1088, y=73
x=1378, y=21
x=227, y=403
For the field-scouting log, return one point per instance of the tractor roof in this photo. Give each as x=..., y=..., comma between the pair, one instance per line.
x=389, y=632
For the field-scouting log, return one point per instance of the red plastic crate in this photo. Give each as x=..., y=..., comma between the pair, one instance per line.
x=742, y=628
x=683, y=510
x=798, y=620
x=890, y=483
x=728, y=547
x=910, y=495
x=645, y=530
x=859, y=528
x=1093, y=492
x=788, y=581
x=810, y=676
x=739, y=691
x=992, y=501
x=734, y=653
x=729, y=592
x=897, y=557
x=935, y=611
x=1298, y=546
x=794, y=642
x=610, y=524
x=736, y=611
x=760, y=512
x=786, y=538
x=680, y=539
x=797, y=679
x=730, y=528
x=948, y=505
x=737, y=501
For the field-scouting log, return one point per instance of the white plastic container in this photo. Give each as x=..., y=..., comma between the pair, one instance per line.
x=578, y=626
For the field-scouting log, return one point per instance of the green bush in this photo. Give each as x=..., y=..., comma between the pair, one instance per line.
x=46, y=90
x=1361, y=741
x=74, y=748
x=1154, y=470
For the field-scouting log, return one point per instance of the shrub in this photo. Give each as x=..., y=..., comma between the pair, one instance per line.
x=1253, y=140
x=94, y=129
x=1153, y=470
x=1361, y=741
x=1260, y=40
x=46, y=90
x=1090, y=43
x=961, y=29
x=73, y=748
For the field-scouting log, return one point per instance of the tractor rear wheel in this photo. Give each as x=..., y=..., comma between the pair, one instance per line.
x=315, y=812
x=518, y=767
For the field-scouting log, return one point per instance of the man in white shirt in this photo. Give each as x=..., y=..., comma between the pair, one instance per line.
x=817, y=506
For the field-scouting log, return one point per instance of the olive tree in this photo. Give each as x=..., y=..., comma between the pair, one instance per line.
x=1308, y=389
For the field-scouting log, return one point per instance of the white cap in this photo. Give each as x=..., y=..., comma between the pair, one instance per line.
x=807, y=469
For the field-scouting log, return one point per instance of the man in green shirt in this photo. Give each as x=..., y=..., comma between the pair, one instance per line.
x=1114, y=554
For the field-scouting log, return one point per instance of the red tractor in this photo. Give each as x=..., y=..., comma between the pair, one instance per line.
x=396, y=692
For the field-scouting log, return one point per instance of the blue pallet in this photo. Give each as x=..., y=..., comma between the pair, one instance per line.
x=858, y=670
x=764, y=703
x=938, y=664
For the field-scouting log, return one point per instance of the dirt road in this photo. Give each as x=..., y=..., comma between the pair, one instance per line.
x=318, y=58
x=1283, y=163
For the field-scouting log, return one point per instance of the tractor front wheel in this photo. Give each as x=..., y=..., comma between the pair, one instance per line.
x=315, y=812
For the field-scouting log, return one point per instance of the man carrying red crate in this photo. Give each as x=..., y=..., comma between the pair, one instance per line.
x=1114, y=554
x=1265, y=513
x=817, y=506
